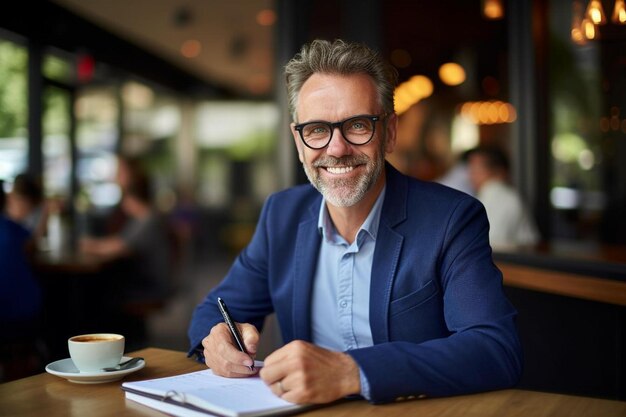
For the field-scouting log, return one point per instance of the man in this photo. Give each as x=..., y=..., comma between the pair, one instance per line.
x=20, y=293
x=382, y=285
x=20, y=301
x=510, y=223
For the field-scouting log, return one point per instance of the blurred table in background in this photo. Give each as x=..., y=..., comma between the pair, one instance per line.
x=68, y=263
x=81, y=294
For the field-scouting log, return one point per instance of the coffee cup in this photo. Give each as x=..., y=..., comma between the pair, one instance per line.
x=92, y=352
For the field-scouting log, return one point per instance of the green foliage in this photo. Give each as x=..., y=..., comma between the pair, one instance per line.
x=57, y=110
x=13, y=89
x=56, y=68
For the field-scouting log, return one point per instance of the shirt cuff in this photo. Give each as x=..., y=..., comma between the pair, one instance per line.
x=365, y=385
x=198, y=354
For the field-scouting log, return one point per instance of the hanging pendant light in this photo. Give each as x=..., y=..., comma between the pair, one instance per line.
x=619, y=13
x=588, y=29
x=493, y=9
x=595, y=13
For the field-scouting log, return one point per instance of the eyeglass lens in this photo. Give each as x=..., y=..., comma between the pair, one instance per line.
x=357, y=130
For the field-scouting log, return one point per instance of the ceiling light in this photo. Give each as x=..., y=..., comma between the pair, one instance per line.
x=411, y=92
x=488, y=112
x=422, y=85
x=493, y=9
x=266, y=17
x=452, y=73
x=595, y=13
x=191, y=48
x=619, y=12
x=589, y=29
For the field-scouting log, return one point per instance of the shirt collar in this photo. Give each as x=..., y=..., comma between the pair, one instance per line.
x=370, y=225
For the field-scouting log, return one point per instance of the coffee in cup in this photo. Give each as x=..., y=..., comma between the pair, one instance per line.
x=92, y=352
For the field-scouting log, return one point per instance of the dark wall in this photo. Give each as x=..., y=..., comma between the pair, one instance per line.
x=570, y=345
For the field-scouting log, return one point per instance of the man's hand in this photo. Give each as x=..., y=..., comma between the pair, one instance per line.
x=303, y=373
x=222, y=355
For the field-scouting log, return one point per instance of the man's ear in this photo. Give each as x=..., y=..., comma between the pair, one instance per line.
x=392, y=129
x=297, y=141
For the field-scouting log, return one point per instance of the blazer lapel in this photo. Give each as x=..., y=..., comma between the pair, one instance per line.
x=388, y=248
x=306, y=253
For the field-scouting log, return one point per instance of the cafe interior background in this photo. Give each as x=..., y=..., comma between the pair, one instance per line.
x=193, y=88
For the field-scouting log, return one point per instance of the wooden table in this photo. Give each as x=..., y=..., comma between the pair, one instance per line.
x=69, y=263
x=50, y=396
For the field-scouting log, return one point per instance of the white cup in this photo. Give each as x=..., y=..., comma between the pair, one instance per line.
x=92, y=352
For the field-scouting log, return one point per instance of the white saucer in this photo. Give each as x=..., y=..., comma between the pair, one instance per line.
x=65, y=369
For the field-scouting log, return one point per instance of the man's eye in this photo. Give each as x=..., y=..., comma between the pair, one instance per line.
x=359, y=125
x=316, y=130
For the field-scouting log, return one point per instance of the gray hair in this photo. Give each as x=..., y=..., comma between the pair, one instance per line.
x=342, y=58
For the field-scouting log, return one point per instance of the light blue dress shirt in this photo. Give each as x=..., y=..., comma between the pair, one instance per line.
x=341, y=289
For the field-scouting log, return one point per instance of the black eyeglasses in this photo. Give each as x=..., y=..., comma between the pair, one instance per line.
x=356, y=130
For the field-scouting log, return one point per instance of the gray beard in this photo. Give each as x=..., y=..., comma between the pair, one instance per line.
x=345, y=192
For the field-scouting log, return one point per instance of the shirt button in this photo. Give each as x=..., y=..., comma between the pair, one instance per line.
x=343, y=304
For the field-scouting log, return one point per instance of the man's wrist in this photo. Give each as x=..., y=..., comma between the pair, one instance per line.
x=352, y=380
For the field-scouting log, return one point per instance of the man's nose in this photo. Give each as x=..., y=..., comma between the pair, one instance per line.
x=338, y=145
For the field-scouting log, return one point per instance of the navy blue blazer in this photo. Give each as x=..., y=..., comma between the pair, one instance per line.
x=440, y=322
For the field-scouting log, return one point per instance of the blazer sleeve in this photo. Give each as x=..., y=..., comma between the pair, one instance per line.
x=482, y=351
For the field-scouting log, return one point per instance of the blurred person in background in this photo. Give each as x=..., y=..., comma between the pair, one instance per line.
x=20, y=300
x=511, y=225
x=25, y=205
x=129, y=170
x=457, y=176
x=143, y=243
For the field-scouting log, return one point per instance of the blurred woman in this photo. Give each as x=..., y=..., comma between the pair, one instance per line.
x=143, y=242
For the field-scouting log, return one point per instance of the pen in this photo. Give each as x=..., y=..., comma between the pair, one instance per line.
x=233, y=328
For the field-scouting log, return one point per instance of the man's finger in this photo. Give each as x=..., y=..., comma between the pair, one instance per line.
x=250, y=337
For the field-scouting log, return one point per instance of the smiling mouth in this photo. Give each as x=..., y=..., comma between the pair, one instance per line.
x=340, y=170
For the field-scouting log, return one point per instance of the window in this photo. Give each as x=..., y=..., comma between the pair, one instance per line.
x=588, y=127
x=56, y=142
x=152, y=125
x=236, y=141
x=97, y=114
x=13, y=109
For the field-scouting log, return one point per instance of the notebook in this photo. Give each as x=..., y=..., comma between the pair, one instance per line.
x=202, y=392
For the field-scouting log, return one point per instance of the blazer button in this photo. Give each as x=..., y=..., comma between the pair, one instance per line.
x=421, y=396
x=400, y=398
x=410, y=397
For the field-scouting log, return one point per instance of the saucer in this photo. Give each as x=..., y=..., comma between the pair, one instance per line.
x=65, y=369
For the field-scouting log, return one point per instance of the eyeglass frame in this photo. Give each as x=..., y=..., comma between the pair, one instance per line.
x=334, y=125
